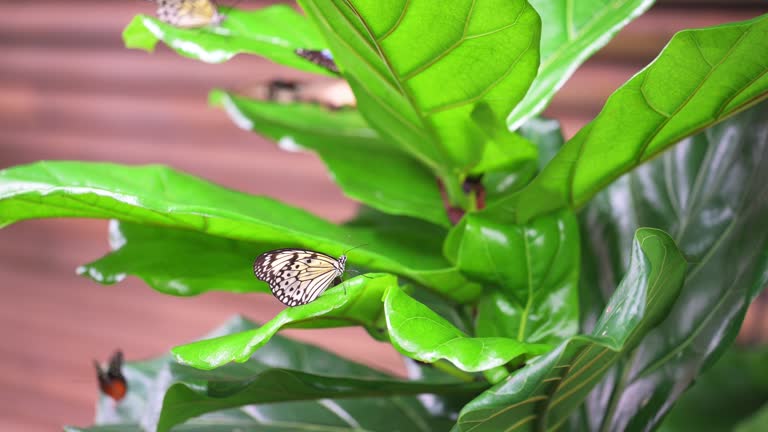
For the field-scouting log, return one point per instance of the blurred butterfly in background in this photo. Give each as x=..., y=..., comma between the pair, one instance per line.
x=111, y=380
x=298, y=276
x=322, y=58
x=332, y=94
x=188, y=13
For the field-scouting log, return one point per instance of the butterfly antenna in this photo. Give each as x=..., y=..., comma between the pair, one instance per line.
x=356, y=247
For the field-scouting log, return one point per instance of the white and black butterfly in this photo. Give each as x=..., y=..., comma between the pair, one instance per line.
x=298, y=276
x=188, y=13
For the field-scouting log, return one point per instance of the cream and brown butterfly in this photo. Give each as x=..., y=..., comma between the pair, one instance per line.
x=298, y=276
x=188, y=13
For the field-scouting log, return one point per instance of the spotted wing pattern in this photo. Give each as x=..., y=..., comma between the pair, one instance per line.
x=297, y=276
x=188, y=13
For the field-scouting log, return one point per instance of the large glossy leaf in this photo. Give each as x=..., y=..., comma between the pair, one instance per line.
x=183, y=262
x=176, y=261
x=419, y=68
x=161, y=196
x=355, y=302
x=734, y=389
x=253, y=382
x=543, y=394
x=702, y=77
x=421, y=334
x=273, y=32
x=710, y=193
x=412, y=328
x=360, y=162
x=155, y=387
x=535, y=267
x=547, y=136
x=571, y=31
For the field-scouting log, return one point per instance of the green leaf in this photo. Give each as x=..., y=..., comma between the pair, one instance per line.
x=547, y=136
x=535, y=268
x=177, y=262
x=571, y=31
x=357, y=158
x=273, y=32
x=735, y=388
x=282, y=361
x=421, y=334
x=161, y=196
x=542, y=395
x=359, y=305
x=709, y=192
x=427, y=336
x=255, y=383
x=757, y=423
x=503, y=149
x=702, y=77
x=419, y=68
x=183, y=263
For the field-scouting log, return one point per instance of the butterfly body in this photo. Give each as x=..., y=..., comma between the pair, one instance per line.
x=298, y=276
x=188, y=13
x=111, y=380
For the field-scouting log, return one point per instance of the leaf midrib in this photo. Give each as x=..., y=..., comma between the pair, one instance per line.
x=395, y=77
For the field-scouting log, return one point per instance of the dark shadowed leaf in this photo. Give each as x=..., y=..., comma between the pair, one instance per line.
x=543, y=394
x=253, y=382
x=383, y=410
x=723, y=397
x=273, y=32
x=710, y=193
x=360, y=162
x=758, y=422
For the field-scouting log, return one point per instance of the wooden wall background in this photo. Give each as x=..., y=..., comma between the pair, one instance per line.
x=69, y=90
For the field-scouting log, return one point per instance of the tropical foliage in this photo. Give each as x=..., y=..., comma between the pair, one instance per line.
x=530, y=283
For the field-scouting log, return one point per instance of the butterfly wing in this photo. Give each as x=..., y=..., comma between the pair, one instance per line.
x=188, y=13
x=296, y=276
x=111, y=381
x=116, y=365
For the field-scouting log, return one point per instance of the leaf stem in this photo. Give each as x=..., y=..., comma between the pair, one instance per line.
x=452, y=370
x=452, y=185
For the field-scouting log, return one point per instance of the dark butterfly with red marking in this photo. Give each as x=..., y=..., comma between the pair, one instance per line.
x=298, y=276
x=322, y=58
x=111, y=380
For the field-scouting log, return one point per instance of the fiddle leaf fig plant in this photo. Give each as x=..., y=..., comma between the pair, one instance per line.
x=531, y=283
